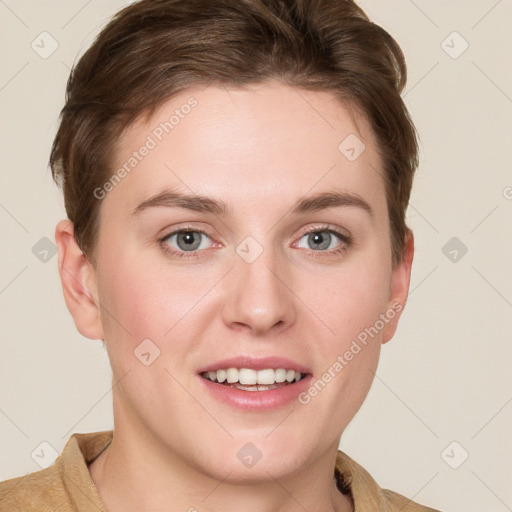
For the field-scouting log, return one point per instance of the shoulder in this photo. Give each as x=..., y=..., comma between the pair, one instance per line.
x=366, y=494
x=401, y=503
x=31, y=491
x=66, y=486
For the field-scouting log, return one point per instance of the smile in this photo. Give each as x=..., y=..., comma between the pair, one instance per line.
x=254, y=380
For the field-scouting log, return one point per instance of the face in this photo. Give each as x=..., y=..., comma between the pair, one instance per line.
x=283, y=263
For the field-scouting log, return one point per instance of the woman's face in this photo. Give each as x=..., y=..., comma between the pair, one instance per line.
x=284, y=263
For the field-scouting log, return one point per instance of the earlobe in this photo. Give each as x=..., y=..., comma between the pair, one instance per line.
x=78, y=280
x=400, y=281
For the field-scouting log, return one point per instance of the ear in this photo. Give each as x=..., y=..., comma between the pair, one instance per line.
x=400, y=280
x=79, y=284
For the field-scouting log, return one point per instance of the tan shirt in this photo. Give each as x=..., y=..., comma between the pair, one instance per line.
x=67, y=485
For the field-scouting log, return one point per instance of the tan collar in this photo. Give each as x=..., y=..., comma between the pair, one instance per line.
x=352, y=479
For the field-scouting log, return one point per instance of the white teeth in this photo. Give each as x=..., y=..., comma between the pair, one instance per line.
x=280, y=375
x=232, y=375
x=266, y=376
x=254, y=388
x=256, y=378
x=248, y=377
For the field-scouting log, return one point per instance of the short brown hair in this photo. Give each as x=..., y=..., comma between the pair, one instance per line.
x=153, y=49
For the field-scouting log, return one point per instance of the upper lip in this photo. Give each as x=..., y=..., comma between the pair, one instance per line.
x=255, y=363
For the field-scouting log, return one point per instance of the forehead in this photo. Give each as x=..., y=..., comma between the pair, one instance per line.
x=267, y=142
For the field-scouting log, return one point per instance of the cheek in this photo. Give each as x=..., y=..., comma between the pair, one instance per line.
x=140, y=301
x=350, y=302
x=350, y=298
x=143, y=299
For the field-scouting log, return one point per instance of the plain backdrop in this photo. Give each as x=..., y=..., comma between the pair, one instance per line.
x=436, y=425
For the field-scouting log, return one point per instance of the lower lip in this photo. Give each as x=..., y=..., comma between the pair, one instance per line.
x=257, y=400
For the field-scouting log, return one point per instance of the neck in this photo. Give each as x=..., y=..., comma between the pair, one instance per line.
x=136, y=473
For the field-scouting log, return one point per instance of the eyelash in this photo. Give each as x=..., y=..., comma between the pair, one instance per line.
x=345, y=239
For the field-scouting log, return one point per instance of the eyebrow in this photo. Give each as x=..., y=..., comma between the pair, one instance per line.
x=199, y=203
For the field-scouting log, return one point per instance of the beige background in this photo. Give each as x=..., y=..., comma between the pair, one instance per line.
x=446, y=375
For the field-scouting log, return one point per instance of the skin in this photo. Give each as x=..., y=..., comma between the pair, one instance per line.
x=259, y=149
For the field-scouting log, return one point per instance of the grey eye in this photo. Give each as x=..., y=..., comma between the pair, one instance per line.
x=320, y=240
x=188, y=240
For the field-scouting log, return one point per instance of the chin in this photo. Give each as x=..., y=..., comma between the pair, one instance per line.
x=243, y=462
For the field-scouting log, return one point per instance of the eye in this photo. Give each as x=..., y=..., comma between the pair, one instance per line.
x=187, y=240
x=323, y=240
x=184, y=243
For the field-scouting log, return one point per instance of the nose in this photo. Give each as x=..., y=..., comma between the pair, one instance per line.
x=259, y=299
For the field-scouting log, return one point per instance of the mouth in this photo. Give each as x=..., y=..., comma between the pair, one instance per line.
x=248, y=379
x=255, y=384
